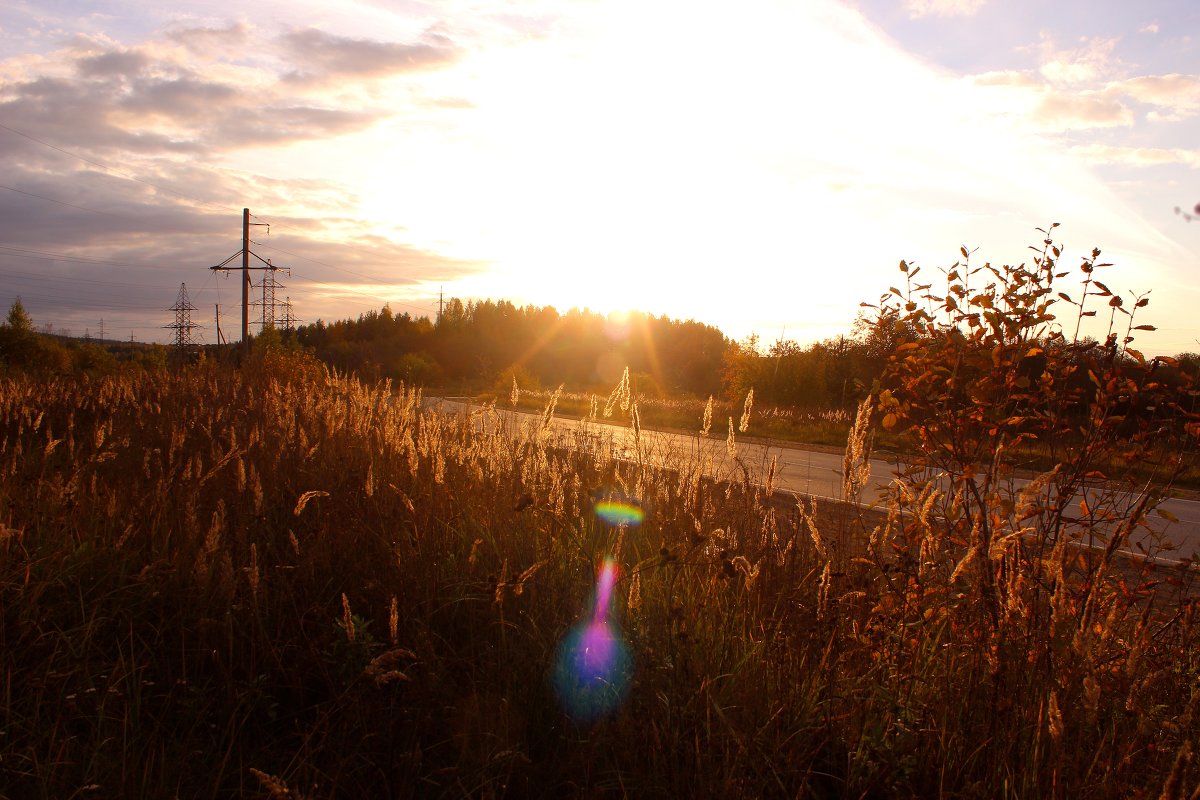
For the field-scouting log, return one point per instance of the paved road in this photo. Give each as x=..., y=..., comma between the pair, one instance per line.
x=797, y=469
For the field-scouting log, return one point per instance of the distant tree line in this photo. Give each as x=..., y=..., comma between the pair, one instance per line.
x=24, y=349
x=479, y=343
x=484, y=344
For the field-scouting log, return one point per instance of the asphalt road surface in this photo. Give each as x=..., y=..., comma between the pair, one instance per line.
x=798, y=470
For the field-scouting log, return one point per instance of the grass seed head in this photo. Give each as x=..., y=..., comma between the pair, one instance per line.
x=749, y=404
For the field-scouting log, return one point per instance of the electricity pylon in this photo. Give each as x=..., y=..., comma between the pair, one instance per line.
x=183, y=325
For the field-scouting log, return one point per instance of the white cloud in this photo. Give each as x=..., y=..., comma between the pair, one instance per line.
x=1087, y=87
x=943, y=8
x=1092, y=60
x=1175, y=96
x=1138, y=156
x=1035, y=105
x=1011, y=78
x=1061, y=111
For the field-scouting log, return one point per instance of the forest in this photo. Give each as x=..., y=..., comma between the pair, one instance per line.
x=484, y=344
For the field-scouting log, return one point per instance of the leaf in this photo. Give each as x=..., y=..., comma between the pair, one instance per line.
x=889, y=421
x=1034, y=351
x=1167, y=515
x=1083, y=507
x=1115, y=301
x=1104, y=290
x=1066, y=297
x=903, y=266
x=1144, y=327
x=964, y=252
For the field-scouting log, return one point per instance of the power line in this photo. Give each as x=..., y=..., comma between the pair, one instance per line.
x=46, y=255
x=30, y=276
x=60, y=202
x=55, y=300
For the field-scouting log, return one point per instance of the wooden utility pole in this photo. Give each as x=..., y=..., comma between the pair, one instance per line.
x=246, y=278
x=245, y=253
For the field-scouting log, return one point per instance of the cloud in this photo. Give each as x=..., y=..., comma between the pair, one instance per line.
x=77, y=112
x=169, y=116
x=1178, y=94
x=1092, y=60
x=1077, y=111
x=154, y=101
x=212, y=42
x=943, y=8
x=254, y=127
x=325, y=57
x=1005, y=78
x=1082, y=88
x=180, y=99
x=111, y=64
x=1138, y=156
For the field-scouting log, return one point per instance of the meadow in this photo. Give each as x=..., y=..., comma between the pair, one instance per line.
x=275, y=580
x=281, y=582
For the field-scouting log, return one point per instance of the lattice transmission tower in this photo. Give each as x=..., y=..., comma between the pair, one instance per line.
x=183, y=340
x=272, y=311
x=289, y=318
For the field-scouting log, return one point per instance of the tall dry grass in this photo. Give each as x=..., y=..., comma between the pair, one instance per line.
x=282, y=582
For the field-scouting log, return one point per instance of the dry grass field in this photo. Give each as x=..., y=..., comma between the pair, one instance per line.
x=278, y=582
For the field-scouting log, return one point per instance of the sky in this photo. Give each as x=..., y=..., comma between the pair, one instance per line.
x=760, y=166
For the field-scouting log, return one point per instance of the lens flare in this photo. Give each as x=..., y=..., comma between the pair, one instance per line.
x=616, y=512
x=593, y=665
